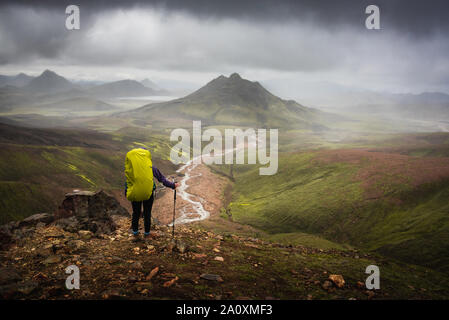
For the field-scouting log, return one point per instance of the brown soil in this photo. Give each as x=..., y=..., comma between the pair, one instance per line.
x=208, y=186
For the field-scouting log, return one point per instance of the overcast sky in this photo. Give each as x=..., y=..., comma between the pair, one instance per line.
x=282, y=43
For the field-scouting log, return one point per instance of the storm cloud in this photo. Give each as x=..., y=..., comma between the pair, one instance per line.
x=320, y=40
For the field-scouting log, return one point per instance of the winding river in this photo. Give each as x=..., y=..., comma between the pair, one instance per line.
x=197, y=212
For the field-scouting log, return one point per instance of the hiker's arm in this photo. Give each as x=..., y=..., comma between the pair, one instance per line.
x=160, y=177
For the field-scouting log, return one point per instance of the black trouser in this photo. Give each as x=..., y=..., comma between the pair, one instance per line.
x=137, y=209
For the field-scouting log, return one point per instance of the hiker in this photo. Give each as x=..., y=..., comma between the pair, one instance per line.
x=140, y=186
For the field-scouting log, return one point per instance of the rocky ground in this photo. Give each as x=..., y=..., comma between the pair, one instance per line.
x=214, y=259
x=198, y=264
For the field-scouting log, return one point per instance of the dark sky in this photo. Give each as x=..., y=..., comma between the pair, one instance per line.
x=264, y=40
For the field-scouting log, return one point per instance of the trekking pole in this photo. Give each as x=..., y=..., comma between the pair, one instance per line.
x=174, y=210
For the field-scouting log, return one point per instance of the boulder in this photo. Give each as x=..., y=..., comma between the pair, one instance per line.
x=68, y=224
x=90, y=204
x=33, y=220
x=85, y=210
x=74, y=204
x=102, y=204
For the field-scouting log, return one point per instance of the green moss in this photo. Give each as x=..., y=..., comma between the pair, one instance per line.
x=20, y=200
x=299, y=197
x=72, y=167
x=307, y=201
x=306, y=239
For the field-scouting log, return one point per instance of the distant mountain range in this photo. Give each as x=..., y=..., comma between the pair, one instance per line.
x=233, y=100
x=224, y=100
x=432, y=106
x=19, y=80
x=423, y=106
x=50, y=82
x=426, y=106
x=122, y=88
x=50, y=90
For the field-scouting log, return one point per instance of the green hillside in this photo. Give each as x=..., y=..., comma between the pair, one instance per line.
x=395, y=204
x=38, y=166
x=35, y=178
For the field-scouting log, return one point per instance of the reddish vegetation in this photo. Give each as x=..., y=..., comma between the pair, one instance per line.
x=379, y=171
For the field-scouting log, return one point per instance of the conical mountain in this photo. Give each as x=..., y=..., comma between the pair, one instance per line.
x=233, y=101
x=49, y=82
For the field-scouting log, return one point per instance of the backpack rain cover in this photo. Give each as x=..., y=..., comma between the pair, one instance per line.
x=139, y=175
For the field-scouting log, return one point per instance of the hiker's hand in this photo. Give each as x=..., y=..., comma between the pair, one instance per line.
x=176, y=185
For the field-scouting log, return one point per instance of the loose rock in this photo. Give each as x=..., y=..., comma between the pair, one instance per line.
x=52, y=260
x=326, y=285
x=211, y=277
x=337, y=279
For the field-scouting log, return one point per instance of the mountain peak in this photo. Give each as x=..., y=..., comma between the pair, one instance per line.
x=233, y=99
x=235, y=76
x=48, y=72
x=49, y=82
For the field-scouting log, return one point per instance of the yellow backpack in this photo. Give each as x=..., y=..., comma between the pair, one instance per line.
x=139, y=175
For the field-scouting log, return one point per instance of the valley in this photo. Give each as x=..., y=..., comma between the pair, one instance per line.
x=345, y=187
